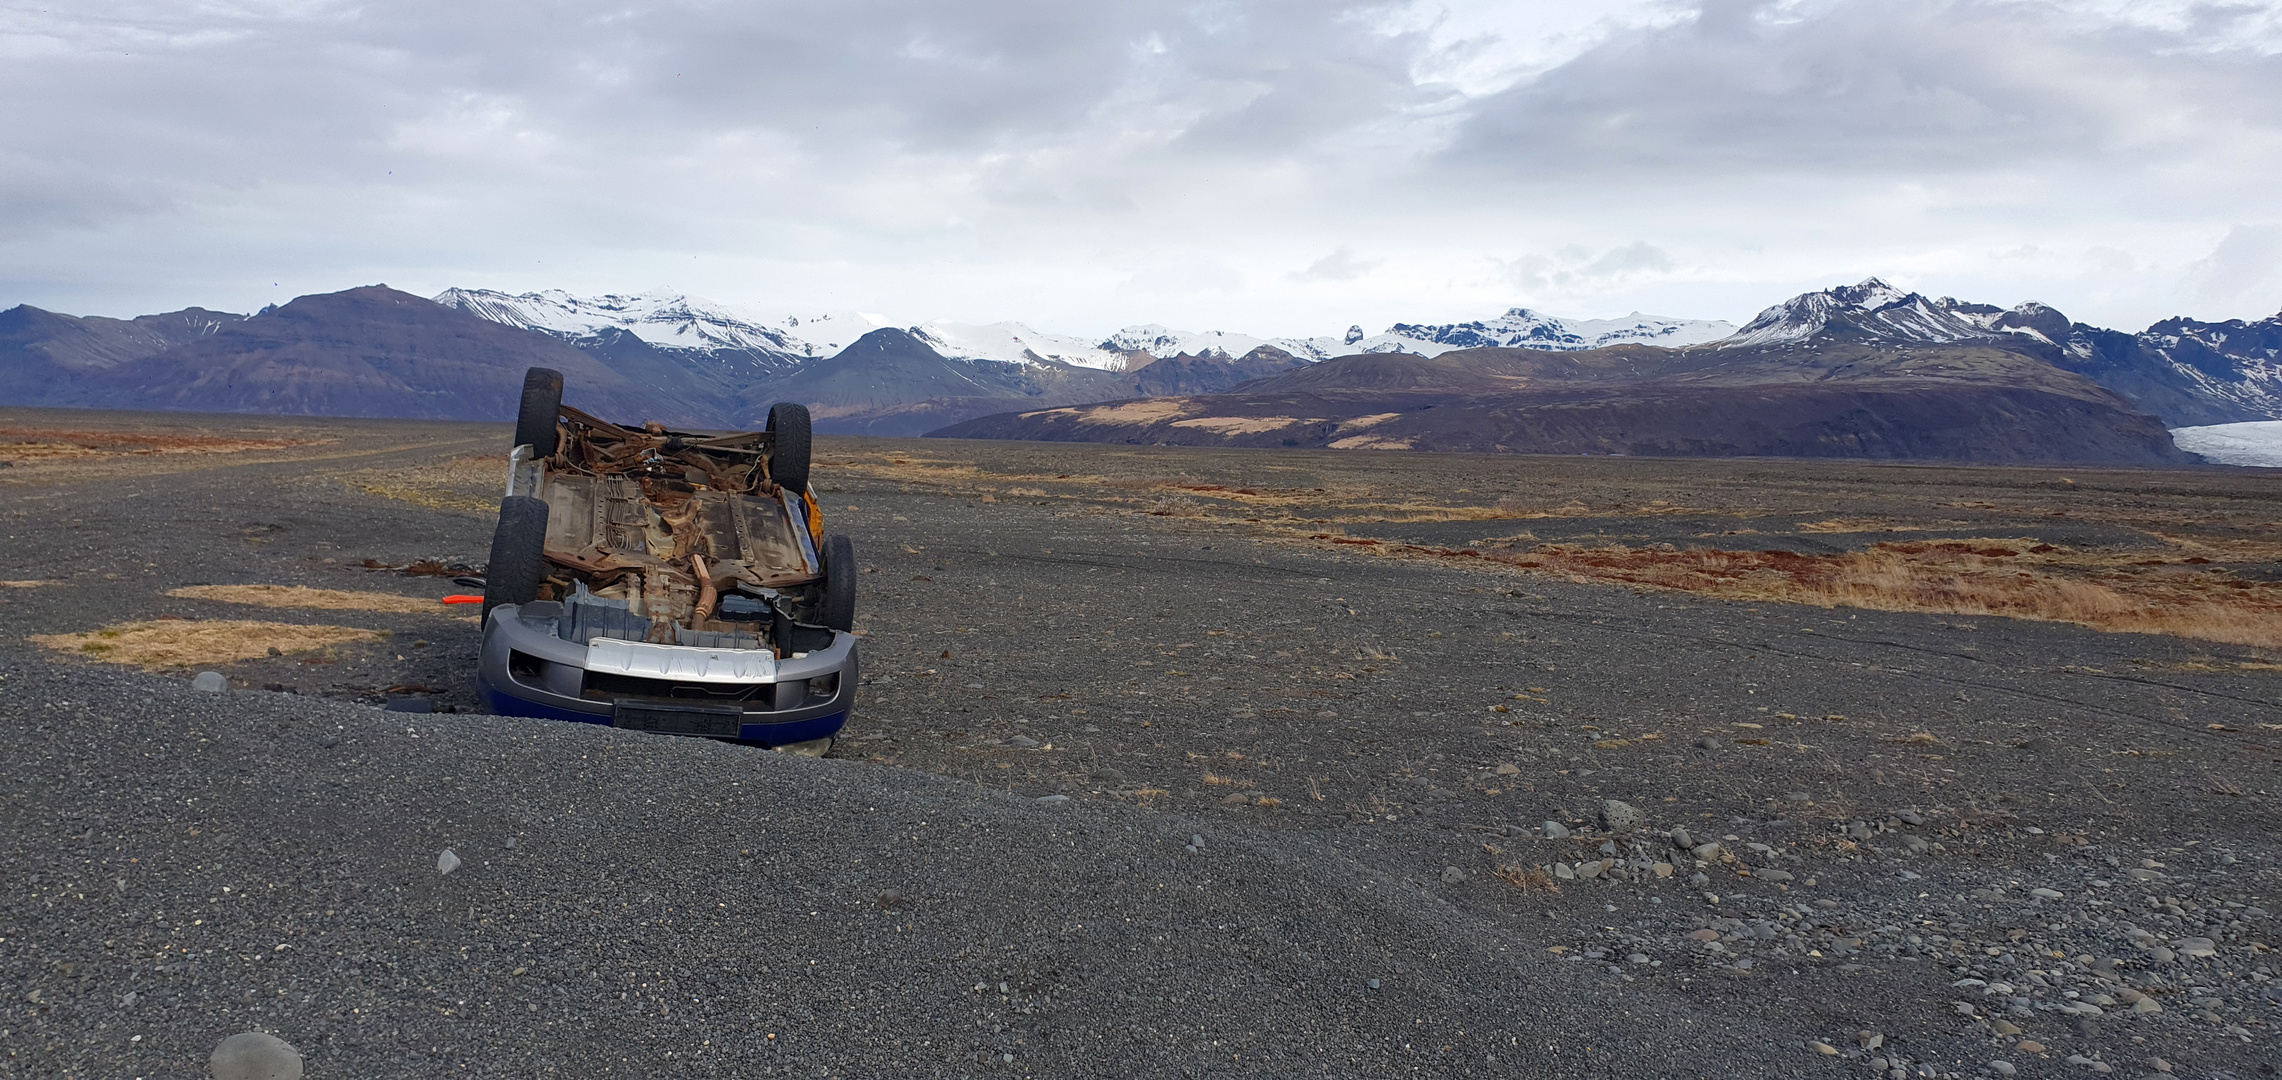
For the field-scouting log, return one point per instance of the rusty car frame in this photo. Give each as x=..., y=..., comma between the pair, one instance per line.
x=667, y=581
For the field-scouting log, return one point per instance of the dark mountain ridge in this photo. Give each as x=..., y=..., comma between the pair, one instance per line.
x=1786, y=382
x=370, y=352
x=1973, y=400
x=44, y=355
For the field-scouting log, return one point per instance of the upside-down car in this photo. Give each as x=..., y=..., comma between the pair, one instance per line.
x=667, y=581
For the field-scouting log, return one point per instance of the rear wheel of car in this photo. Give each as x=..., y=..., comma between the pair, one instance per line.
x=518, y=553
x=788, y=462
x=542, y=403
x=839, y=606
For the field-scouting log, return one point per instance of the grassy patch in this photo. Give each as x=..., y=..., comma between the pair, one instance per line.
x=183, y=642
x=467, y=484
x=2140, y=592
x=301, y=596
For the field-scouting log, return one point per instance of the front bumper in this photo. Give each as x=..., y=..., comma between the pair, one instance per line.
x=527, y=670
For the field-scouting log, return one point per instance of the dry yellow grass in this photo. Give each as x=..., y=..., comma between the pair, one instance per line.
x=1855, y=525
x=1525, y=878
x=1372, y=442
x=473, y=484
x=182, y=642
x=301, y=596
x=2017, y=579
x=1239, y=425
x=33, y=584
x=19, y=444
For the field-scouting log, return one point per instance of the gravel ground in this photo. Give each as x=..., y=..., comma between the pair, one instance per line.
x=1913, y=846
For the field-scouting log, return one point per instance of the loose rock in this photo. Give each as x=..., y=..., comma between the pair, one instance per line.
x=1621, y=817
x=255, y=1055
x=447, y=862
x=212, y=682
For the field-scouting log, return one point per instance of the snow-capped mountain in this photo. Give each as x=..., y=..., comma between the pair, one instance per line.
x=665, y=320
x=1518, y=328
x=1162, y=341
x=1521, y=328
x=1869, y=310
x=1014, y=343
x=2185, y=371
x=674, y=321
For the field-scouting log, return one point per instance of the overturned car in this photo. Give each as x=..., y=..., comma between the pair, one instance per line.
x=667, y=581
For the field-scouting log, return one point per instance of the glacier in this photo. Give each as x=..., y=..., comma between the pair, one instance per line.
x=2255, y=443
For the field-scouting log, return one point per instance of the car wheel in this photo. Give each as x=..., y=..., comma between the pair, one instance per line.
x=542, y=404
x=788, y=462
x=839, y=606
x=518, y=553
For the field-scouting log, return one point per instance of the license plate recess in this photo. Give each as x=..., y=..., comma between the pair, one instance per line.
x=717, y=721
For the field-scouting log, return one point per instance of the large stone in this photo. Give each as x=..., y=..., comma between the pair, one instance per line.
x=255, y=1055
x=1621, y=817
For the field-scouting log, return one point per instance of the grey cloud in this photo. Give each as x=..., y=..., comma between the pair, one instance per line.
x=1341, y=265
x=890, y=152
x=1573, y=268
x=186, y=101
x=1182, y=277
x=1896, y=85
x=2243, y=274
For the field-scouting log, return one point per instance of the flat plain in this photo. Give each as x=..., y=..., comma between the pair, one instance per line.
x=1340, y=734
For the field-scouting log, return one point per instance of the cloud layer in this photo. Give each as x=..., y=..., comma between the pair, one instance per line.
x=1280, y=166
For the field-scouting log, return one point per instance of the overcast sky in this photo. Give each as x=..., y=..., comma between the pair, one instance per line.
x=1274, y=167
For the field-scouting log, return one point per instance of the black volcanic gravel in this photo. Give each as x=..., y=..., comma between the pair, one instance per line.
x=1887, y=793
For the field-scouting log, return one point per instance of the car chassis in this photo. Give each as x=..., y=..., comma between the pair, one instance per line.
x=667, y=581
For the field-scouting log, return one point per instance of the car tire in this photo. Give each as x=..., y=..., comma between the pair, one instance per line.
x=518, y=553
x=838, y=609
x=788, y=461
x=542, y=405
